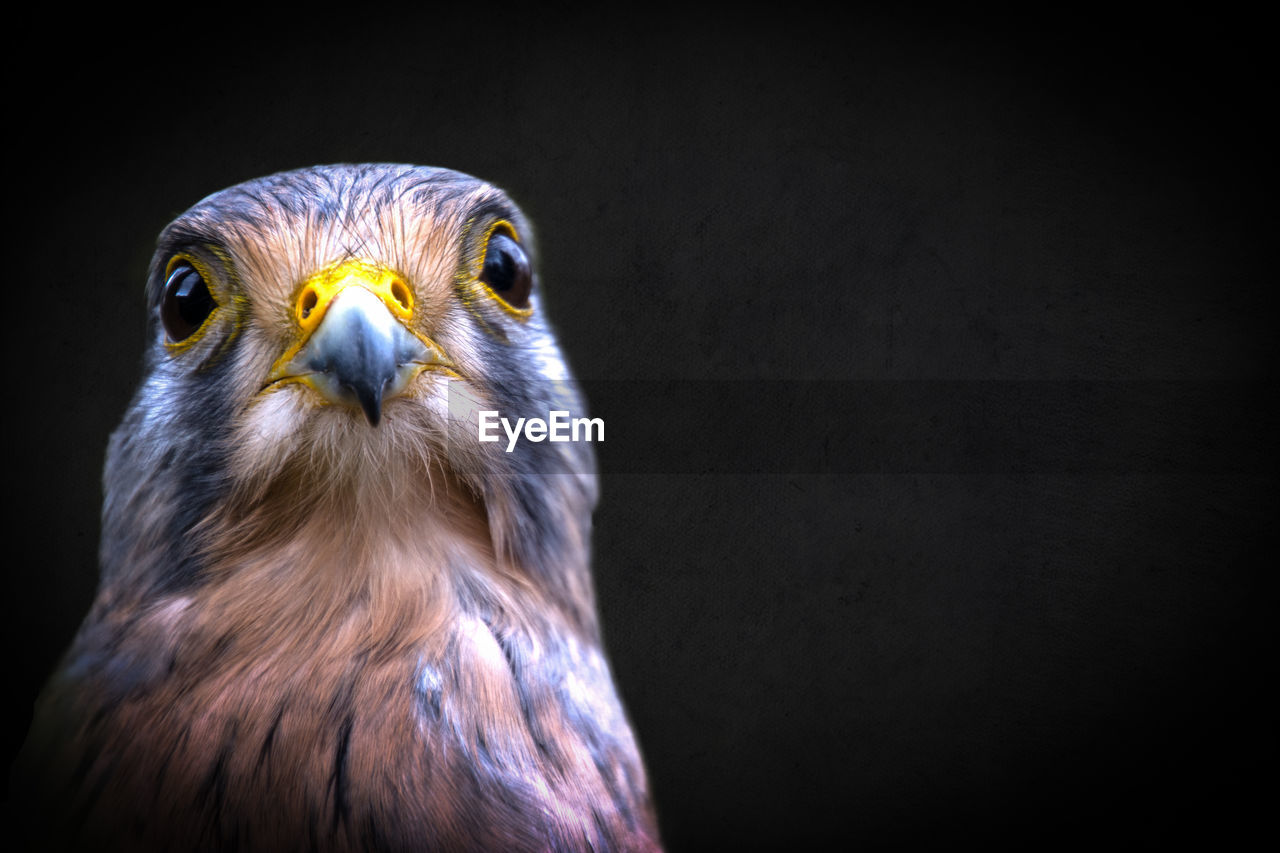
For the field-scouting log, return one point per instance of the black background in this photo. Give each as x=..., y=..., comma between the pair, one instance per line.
x=935, y=357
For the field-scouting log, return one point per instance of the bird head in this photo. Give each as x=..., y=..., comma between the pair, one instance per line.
x=322, y=342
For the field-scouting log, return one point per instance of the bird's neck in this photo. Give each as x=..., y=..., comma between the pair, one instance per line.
x=383, y=565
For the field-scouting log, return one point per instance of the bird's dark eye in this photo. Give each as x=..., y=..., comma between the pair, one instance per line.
x=187, y=302
x=506, y=270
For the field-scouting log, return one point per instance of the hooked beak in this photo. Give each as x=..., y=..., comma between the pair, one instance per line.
x=355, y=348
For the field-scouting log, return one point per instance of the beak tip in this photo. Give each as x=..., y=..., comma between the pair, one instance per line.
x=370, y=400
x=372, y=407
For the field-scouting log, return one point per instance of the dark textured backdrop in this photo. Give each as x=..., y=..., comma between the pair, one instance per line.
x=935, y=358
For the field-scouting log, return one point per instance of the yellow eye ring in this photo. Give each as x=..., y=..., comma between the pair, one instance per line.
x=504, y=271
x=187, y=303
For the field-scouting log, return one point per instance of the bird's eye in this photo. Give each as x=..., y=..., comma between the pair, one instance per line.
x=506, y=270
x=187, y=302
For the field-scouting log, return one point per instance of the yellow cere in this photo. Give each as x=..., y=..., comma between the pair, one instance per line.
x=318, y=291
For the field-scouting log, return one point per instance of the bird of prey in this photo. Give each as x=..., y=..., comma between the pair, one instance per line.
x=329, y=617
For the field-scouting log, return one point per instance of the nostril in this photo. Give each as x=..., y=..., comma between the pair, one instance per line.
x=307, y=303
x=401, y=294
